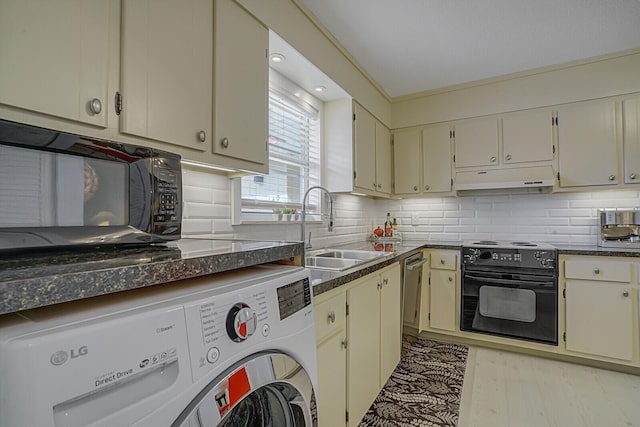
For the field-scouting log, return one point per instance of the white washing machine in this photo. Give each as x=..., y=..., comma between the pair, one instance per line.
x=232, y=349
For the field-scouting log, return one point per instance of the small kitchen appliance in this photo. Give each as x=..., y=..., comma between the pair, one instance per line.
x=510, y=289
x=59, y=189
x=619, y=228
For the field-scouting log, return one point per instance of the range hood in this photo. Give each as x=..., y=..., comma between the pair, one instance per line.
x=531, y=177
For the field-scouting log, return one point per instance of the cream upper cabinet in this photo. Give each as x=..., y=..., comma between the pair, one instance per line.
x=587, y=147
x=383, y=159
x=55, y=57
x=601, y=308
x=166, y=66
x=371, y=154
x=476, y=142
x=406, y=161
x=241, y=75
x=527, y=137
x=364, y=149
x=631, y=140
x=436, y=159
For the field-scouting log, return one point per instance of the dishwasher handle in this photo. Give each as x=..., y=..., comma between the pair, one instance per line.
x=417, y=262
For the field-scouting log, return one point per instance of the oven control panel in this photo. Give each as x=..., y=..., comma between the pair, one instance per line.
x=509, y=257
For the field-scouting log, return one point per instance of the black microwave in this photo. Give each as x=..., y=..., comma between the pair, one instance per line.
x=59, y=190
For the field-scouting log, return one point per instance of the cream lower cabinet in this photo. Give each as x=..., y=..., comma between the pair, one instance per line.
x=601, y=307
x=55, y=57
x=374, y=337
x=331, y=337
x=443, y=287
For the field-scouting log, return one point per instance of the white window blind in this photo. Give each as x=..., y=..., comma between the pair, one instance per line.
x=294, y=160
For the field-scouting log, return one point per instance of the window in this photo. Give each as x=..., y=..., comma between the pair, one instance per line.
x=294, y=155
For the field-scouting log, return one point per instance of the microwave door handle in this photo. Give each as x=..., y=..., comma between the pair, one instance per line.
x=540, y=282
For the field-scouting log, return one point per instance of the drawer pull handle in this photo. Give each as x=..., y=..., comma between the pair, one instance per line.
x=386, y=281
x=332, y=317
x=596, y=270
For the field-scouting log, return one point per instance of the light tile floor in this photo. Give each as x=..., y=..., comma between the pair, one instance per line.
x=504, y=389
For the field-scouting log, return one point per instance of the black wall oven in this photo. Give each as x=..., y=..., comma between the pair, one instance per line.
x=510, y=290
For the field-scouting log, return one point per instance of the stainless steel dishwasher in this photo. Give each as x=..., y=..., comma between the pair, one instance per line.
x=411, y=285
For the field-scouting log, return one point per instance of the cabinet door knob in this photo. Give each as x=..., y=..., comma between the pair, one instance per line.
x=386, y=281
x=96, y=106
x=632, y=176
x=508, y=157
x=332, y=317
x=612, y=177
x=596, y=270
x=343, y=344
x=415, y=188
x=442, y=261
x=379, y=285
x=202, y=136
x=493, y=159
x=379, y=185
x=450, y=279
x=374, y=185
x=225, y=142
x=426, y=187
x=625, y=294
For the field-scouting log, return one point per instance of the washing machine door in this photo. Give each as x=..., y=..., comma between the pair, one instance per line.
x=264, y=390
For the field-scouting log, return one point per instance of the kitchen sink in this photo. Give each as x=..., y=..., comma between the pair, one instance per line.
x=339, y=259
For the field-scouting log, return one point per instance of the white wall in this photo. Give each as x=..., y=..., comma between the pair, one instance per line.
x=553, y=218
x=207, y=212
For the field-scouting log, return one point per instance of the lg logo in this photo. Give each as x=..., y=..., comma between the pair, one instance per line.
x=60, y=357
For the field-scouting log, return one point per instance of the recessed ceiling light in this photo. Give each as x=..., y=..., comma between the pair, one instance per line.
x=297, y=94
x=277, y=57
x=319, y=88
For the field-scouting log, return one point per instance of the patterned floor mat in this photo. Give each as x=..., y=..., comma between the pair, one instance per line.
x=424, y=389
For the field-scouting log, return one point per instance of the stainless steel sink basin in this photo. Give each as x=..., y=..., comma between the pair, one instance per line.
x=339, y=259
x=348, y=254
x=331, y=263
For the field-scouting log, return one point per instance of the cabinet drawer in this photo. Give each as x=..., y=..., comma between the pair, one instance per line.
x=330, y=316
x=598, y=269
x=444, y=261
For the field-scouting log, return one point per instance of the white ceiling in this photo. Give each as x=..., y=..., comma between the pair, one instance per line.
x=411, y=46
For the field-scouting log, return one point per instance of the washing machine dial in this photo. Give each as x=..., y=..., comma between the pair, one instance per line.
x=241, y=322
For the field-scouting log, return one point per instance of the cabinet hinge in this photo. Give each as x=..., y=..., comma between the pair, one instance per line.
x=354, y=117
x=564, y=336
x=564, y=293
x=354, y=174
x=556, y=121
x=118, y=103
x=346, y=416
x=454, y=158
x=558, y=176
x=429, y=278
x=429, y=316
x=266, y=53
x=554, y=149
x=450, y=134
x=393, y=185
x=347, y=308
x=452, y=182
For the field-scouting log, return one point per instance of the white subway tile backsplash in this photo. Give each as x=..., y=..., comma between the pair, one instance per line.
x=553, y=218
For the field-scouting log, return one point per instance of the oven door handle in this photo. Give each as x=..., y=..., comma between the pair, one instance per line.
x=540, y=282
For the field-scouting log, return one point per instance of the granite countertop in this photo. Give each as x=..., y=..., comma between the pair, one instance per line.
x=325, y=280
x=35, y=280
x=568, y=249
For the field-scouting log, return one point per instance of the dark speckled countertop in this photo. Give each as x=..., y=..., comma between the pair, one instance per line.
x=36, y=280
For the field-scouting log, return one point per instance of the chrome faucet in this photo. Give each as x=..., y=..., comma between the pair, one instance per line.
x=304, y=213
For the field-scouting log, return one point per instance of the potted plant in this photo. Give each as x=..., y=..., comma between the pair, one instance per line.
x=287, y=213
x=295, y=214
x=277, y=213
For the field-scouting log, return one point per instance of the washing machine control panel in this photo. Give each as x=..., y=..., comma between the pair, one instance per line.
x=226, y=326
